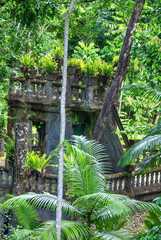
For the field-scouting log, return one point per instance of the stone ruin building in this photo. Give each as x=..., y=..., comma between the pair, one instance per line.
x=35, y=99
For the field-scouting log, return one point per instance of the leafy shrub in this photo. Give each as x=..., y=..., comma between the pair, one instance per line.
x=153, y=234
x=86, y=52
x=106, y=69
x=37, y=162
x=89, y=68
x=47, y=63
x=153, y=224
x=58, y=52
x=78, y=63
x=27, y=61
x=115, y=59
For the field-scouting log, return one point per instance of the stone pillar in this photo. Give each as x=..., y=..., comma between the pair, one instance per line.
x=21, y=139
x=1, y=146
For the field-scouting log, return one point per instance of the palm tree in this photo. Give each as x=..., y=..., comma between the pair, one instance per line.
x=99, y=214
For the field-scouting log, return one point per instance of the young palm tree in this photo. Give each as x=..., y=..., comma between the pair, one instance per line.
x=99, y=214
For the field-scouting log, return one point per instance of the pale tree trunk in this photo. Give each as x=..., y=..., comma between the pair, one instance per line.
x=120, y=72
x=62, y=125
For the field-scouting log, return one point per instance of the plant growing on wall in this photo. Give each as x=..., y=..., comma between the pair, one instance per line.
x=9, y=149
x=58, y=52
x=37, y=162
x=90, y=69
x=106, y=69
x=78, y=63
x=47, y=63
x=27, y=61
x=86, y=52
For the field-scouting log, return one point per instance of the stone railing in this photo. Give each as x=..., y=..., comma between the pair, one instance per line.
x=46, y=183
x=135, y=183
x=82, y=91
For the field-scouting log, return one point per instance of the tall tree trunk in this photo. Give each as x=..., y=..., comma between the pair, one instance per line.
x=120, y=72
x=62, y=124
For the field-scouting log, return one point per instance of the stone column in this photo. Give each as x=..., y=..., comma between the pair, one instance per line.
x=21, y=139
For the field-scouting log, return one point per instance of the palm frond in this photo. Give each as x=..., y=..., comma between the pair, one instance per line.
x=147, y=91
x=94, y=149
x=20, y=234
x=46, y=232
x=83, y=169
x=74, y=230
x=146, y=144
x=27, y=216
x=70, y=231
x=116, y=235
x=150, y=162
x=155, y=130
x=114, y=204
x=46, y=201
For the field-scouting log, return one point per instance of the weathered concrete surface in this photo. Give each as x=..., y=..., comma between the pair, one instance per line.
x=21, y=139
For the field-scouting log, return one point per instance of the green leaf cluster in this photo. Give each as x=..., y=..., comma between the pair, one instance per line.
x=37, y=162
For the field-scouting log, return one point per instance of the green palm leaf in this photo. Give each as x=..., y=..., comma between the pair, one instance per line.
x=83, y=169
x=70, y=231
x=46, y=201
x=151, y=161
x=27, y=216
x=116, y=235
x=146, y=144
x=155, y=130
x=106, y=206
x=94, y=149
x=147, y=91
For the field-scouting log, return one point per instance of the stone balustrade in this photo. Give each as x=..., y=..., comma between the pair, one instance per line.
x=82, y=91
x=135, y=183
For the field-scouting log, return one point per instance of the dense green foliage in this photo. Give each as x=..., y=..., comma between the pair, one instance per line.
x=100, y=215
x=35, y=29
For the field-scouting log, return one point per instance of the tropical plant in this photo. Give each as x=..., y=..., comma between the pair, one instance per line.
x=153, y=224
x=90, y=69
x=106, y=69
x=9, y=149
x=78, y=63
x=47, y=63
x=115, y=59
x=151, y=143
x=27, y=61
x=146, y=90
x=58, y=52
x=86, y=52
x=97, y=211
x=37, y=162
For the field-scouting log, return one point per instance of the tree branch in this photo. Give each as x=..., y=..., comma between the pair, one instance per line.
x=120, y=72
